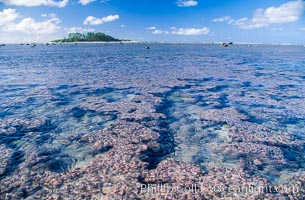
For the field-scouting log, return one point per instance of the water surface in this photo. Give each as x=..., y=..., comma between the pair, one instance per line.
x=237, y=107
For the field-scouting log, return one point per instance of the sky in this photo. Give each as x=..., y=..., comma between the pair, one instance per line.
x=259, y=21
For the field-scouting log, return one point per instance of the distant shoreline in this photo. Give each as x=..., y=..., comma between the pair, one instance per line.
x=153, y=42
x=94, y=42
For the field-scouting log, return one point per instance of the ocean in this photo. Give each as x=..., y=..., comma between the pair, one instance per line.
x=74, y=117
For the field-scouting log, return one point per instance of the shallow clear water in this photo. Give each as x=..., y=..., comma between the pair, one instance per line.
x=224, y=107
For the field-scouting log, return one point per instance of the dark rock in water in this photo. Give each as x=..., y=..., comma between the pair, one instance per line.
x=224, y=45
x=2, y=45
x=147, y=47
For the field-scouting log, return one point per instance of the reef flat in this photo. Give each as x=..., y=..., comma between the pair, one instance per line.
x=118, y=121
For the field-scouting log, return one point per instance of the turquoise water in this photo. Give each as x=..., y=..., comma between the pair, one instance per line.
x=237, y=107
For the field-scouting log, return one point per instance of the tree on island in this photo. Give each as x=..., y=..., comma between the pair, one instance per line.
x=89, y=37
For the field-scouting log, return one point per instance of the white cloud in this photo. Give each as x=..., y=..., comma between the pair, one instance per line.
x=191, y=31
x=29, y=3
x=79, y=30
x=85, y=2
x=180, y=31
x=222, y=19
x=122, y=25
x=7, y=16
x=12, y=25
x=285, y=13
x=302, y=29
x=91, y=20
x=30, y=26
x=187, y=3
x=151, y=28
x=157, y=31
x=51, y=15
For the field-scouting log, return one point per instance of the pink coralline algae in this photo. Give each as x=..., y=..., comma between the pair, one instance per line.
x=95, y=121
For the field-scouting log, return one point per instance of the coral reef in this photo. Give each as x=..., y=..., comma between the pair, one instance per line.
x=159, y=124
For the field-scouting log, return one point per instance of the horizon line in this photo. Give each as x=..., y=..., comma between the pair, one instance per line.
x=157, y=42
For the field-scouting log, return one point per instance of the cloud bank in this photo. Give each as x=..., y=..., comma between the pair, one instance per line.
x=9, y=23
x=30, y=3
x=285, y=13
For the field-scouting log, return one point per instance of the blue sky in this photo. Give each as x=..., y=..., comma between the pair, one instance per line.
x=259, y=21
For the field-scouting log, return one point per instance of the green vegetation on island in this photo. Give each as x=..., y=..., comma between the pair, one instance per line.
x=89, y=37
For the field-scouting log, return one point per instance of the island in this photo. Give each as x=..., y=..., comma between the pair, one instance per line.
x=89, y=37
